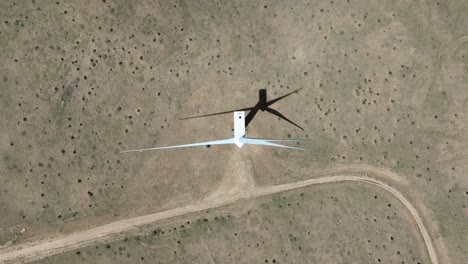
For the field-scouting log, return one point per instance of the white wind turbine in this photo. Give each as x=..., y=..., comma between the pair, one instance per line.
x=239, y=138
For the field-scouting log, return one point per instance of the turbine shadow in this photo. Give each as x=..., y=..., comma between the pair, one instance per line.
x=262, y=105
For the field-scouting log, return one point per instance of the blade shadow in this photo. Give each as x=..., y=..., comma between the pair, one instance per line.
x=262, y=105
x=219, y=113
x=282, y=97
x=278, y=114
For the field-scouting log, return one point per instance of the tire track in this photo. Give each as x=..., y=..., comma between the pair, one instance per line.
x=27, y=252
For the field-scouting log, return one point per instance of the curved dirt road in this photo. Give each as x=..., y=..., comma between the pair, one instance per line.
x=37, y=250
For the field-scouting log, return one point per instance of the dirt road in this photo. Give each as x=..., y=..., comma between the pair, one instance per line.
x=23, y=253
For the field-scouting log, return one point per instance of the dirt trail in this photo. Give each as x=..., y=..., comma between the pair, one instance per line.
x=37, y=250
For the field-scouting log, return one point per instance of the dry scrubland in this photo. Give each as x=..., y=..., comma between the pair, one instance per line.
x=334, y=223
x=384, y=85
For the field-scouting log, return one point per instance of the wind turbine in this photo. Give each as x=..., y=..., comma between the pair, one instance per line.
x=239, y=138
x=262, y=105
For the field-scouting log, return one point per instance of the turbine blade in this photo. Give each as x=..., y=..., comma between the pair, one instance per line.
x=278, y=114
x=279, y=98
x=280, y=139
x=214, y=142
x=259, y=141
x=219, y=113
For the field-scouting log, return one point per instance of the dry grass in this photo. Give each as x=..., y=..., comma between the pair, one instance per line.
x=384, y=85
x=335, y=223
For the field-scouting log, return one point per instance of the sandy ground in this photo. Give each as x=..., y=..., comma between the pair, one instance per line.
x=40, y=249
x=383, y=93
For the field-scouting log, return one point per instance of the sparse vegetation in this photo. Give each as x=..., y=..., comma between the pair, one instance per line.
x=332, y=223
x=384, y=85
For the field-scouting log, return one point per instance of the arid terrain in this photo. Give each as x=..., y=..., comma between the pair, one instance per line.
x=343, y=223
x=384, y=95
